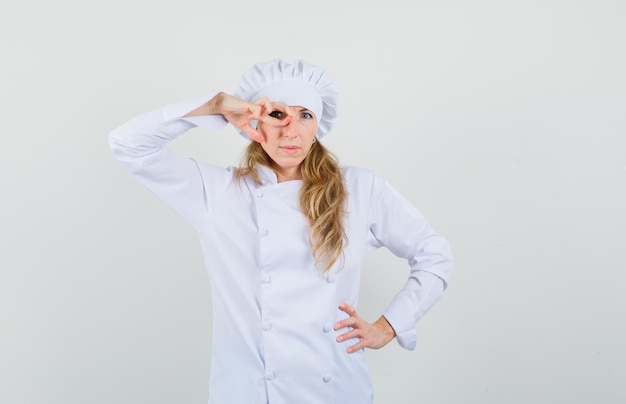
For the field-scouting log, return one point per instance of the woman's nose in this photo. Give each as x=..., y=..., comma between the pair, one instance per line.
x=290, y=128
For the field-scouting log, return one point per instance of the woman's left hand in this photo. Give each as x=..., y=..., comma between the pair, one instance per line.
x=371, y=335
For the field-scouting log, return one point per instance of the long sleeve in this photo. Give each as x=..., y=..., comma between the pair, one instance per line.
x=397, y=225
x=140, y=145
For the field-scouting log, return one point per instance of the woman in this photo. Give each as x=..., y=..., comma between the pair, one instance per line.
x=284, y=237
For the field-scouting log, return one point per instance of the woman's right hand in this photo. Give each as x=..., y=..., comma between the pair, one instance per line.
x=237, y=111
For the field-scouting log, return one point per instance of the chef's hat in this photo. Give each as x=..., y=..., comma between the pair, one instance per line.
x=299, y=83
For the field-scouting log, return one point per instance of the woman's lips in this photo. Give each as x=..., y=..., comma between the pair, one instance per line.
x=290, y=149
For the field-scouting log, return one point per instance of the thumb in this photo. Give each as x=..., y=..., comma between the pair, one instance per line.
x=254, y=134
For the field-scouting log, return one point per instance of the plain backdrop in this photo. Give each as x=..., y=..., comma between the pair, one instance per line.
x=504, y=122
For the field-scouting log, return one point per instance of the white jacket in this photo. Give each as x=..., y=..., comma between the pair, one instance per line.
x=273, y=310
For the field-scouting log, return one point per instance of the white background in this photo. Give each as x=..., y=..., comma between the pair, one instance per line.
x=504, y=122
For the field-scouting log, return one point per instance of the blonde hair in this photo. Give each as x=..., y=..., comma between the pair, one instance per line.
x=322, y=198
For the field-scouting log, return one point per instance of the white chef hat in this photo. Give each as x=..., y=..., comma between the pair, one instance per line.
x=299, y=83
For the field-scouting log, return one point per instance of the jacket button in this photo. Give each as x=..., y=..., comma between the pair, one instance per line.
x=263, y=232
x=269, y=375
x=265, y=278
x=331, y=278
x=328, y=327
x=267, y=326
x=259, y=195
x=327, y=377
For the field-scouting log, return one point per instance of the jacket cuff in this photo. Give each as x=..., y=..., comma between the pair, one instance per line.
x=209, y=122
x=406, y=334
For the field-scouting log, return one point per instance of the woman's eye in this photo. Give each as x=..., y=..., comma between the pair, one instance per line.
x=307, y=115
x=276, y=114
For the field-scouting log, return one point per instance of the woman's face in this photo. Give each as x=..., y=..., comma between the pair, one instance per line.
x=289, y=134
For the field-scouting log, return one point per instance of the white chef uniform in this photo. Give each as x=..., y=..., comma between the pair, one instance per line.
x=273, y=310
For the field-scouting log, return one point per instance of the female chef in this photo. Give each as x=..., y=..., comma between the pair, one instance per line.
x=284, y=238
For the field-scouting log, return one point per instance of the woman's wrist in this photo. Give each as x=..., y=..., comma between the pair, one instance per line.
x=208, y=108
x=387, y=329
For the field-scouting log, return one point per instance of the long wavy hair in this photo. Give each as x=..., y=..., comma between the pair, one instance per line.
x=322, y=198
